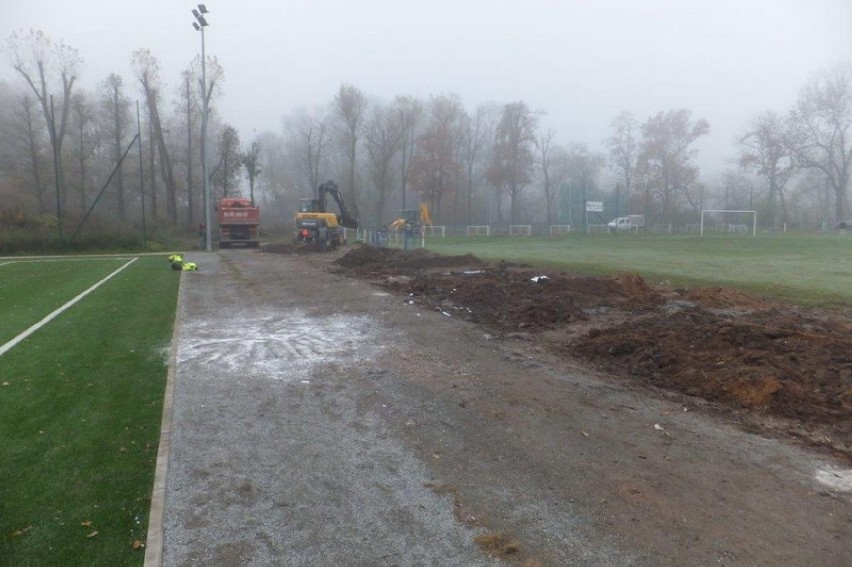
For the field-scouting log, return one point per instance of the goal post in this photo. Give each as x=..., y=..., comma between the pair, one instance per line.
x=731, y=226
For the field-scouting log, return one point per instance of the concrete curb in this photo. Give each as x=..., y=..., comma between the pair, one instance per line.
x=154, y=542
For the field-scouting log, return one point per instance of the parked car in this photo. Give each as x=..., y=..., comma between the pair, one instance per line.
x=619, y=224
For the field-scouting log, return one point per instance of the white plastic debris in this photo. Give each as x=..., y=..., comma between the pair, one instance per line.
x=537, y=279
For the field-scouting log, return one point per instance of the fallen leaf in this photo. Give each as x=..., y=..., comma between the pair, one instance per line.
x=17, y=533
x=87, y=523
x=584, y=434
x=93, y=534
x=137, y=544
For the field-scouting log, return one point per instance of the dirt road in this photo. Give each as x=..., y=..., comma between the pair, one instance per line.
x=320, y=420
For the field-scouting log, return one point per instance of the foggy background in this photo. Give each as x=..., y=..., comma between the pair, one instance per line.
x=580, y=62
x=337, y=82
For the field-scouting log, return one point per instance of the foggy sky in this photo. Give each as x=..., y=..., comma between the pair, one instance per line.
x=581, y=62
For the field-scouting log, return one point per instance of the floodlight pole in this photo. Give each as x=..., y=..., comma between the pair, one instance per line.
x=199, y=26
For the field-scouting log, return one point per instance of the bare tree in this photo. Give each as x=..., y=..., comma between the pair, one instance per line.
x=767, y=149
x=666, y=156
x=29, y=150
x=84, y=126
x=823, y=140
x=624, y=150
x=477, y=130
x=736, y=190
x=227, y=170
x=308, y=141
x=552, y=161
x=512, y=154
x=189, y=108
x=153, y=164
x=251, y=161
x=350, y=105
x=148, y=72
x=435, y=167
x=409, y=113
x=36, y=58
x=116, y=108
x=276, y=187
x=383, y=136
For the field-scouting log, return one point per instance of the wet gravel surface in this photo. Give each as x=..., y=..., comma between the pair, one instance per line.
x=319, y=420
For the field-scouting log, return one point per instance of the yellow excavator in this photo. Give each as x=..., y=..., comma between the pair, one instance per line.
x=316, y=225
x=412, y=219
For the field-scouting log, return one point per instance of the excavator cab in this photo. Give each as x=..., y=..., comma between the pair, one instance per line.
x=309, y=206
x=411, y=216
x=315, y=224
x=412, y=219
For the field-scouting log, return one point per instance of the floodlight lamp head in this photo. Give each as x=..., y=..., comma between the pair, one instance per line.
x=203, y=21
x=196, y=26
x=203, y=9
x=195, y=13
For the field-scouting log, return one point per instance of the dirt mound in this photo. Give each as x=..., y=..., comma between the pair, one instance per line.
x=368, y=260
x=509, y=301
x=752, y=365
x=290, y=248
x=717, y=343
x=724, y=298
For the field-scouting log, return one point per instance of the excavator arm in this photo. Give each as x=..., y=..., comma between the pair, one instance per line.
x=345, y=218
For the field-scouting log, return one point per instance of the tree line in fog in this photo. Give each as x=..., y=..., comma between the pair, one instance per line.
x=65, y=150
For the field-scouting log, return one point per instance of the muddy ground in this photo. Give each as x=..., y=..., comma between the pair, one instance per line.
x=771, y=366
x=464, y=414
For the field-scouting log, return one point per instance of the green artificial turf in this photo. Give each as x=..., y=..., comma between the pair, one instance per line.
x=80, y=409
x=32, y=289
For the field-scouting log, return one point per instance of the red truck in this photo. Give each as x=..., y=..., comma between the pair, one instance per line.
x=238, y=220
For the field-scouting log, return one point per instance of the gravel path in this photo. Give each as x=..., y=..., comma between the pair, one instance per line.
x=320, y=421
x=277, y=458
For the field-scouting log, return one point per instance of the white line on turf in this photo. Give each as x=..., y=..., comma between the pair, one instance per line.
x=80, y=259
x=5, y=348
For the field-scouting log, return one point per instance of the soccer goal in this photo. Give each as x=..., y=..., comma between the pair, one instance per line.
x=724, y=220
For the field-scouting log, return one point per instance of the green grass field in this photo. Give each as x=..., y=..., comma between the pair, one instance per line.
x=808, y=269
x=80, y=408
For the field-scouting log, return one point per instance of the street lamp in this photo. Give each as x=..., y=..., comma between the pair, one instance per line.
x=199, y=24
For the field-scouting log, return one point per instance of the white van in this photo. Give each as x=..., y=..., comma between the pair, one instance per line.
x=620, y=224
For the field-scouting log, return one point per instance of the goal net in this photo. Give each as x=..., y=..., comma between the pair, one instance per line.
x=728, y=221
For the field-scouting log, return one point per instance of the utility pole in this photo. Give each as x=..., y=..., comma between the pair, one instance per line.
x=199, y=25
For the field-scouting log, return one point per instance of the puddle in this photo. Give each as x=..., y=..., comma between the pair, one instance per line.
x=837, y=479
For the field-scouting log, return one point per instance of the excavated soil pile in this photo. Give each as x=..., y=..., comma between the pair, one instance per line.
x=524, y=300
x=716, y=343
x=369, y=261
x=291, y=248
x=763, y=361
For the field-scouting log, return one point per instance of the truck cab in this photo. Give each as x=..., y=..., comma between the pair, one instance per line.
x=238, y=221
